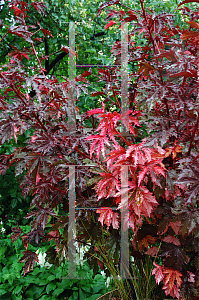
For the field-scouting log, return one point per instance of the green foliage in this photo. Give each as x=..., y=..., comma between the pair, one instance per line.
x=13, y=206
x=44, y=283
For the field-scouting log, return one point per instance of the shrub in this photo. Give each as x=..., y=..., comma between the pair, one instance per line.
x=44, y=283
x=160, y=159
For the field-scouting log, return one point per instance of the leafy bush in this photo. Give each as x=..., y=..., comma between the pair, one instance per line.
x=13, y=206
x=154, y=167
x=44, y=283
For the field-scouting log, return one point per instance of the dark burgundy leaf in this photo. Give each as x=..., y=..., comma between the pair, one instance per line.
x=29, y=258
x=106, y=4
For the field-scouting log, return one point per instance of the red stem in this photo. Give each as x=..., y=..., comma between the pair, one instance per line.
x=3, y=36
x=193, y=135
x=151, y=37
x=115, y=97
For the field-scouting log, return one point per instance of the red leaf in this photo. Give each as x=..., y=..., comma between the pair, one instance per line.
x=107, y=216
x=16, y=233
x=170, y=277
x=106, y=4
x=111, y=23
x=191, y=277
x=132, y=17
x=142, y=174
x=30, y=258
x=188, y=1
x=152, y=251
x=40, y=7
x=172, y=239
x=45, y=32
x=193, y=24
x=144, y=202
x=158, y=272
x=97, y=110
x=38, y=39
x=38, y=177
x=189, y=35
x=175, y=226
x=100, y=264
x=142, y=30
x=100, y=139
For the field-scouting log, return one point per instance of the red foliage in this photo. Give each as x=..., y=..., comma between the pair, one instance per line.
x=162, y=185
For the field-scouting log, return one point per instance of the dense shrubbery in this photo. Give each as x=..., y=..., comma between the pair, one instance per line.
x=146, y=154
x=44, y=282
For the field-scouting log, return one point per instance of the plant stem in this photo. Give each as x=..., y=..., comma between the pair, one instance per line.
x=193, y=135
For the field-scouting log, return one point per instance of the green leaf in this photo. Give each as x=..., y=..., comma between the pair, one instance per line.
x=2, y=291
x=65, y=283
x=91, y=50
x=16, y=297
x=36, y=271
x=2, y=251
x=98, y=286
x=51, y=278
x=74, y=296
x=6, y=296
x=34, y=291
x=18, y=289
x=51, y=286
x=94, y=297
x=44, y=297
x=82, y=295
x=57, y=292
x=87, y=287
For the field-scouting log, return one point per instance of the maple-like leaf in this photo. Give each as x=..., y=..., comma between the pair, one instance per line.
x=54, y=234
x=158, y=272
x=107, y=216
x=144, y=202
x=191, y=277
x=109, y=185
x=171, y=239
x=171, y=276
x=152, y=251
x=16, y=233
x=42, y=143
x=173, y=151
x=128, y=118
x=33, y=235
x=108, y=123
x=29, y=258
x=146, y=240
x=99, y=141
x=175, y=226
x=139, y=154
x=19, y=54
x=174, y=292
x=41, y=216
x=45, y=32
x=174, y=256
x=118, y=154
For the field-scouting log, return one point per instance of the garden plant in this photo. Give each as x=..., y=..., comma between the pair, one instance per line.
x=45, y=282
x=146, y=152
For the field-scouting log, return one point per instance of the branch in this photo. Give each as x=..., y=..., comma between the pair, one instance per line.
x=46, y=54
x=51, y=66
x=55, y=61
x=193, y=135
